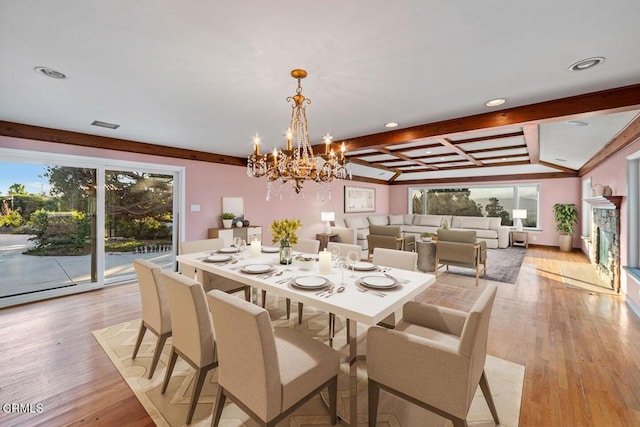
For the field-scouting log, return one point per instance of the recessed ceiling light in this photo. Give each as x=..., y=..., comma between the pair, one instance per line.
x=391, y=125
x=561, y=160
x=428, y=151
x=495, y=102
x=577, y=123
x=504, y=158
x=105, y=124
x=586, y=64
x=50, y=72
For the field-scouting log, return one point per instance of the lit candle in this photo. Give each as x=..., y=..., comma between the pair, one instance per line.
x=256, y=145
x=327, y=143
x=325, y=262
x=275, y=156
x=289, y=138
x=342, y=150
x=256, y=247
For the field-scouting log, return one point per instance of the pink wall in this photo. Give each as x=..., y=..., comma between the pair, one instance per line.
x=613, y=172
x=206, y=184
x=552, y=191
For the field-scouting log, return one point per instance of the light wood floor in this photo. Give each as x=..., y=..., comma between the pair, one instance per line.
x=581, y=351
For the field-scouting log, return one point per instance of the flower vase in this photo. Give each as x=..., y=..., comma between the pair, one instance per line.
x=285, y=252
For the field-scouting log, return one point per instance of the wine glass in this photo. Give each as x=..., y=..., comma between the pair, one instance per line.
x=353, y=257
x=343, y=264
x=237, y=242
x=335, y=253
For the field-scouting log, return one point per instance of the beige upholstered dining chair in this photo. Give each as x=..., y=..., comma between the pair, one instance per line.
x=307, y=246
x=193, y=336
x=395, y=259
x=268, y=373
x=460, y=248
x=434, y=358
x=155, y=308
x=211, y=281
x=344, y=248
x=402, y=260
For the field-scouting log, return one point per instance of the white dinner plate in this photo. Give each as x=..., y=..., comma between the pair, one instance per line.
x=363, y=266
x=257, y=268
x=270, y=249
x=378, y=282
x=309, y=282
x=217, y=258
x=229, y=250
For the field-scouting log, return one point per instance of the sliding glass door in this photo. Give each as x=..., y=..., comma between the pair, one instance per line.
x=69, y=223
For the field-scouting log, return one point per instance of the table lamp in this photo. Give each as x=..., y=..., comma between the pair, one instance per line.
x=328, y=217
x=519, y=215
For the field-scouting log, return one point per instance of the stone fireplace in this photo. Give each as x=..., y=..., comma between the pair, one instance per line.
x=604, y=247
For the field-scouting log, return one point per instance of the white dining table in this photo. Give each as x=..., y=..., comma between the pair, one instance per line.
x=356, y=303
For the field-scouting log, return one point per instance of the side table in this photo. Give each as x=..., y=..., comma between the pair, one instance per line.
x=426, y=255
x=325, y=238
x=519, y=238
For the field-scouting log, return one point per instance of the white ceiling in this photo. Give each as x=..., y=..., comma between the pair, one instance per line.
x=207, y=75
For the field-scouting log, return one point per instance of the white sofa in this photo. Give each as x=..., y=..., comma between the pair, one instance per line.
x=490, y=230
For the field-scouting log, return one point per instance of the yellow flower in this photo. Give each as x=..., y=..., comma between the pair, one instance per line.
x=285, y=229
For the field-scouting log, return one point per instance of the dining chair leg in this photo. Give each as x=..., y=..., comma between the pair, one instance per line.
x=288, y=303
x=374, y=393
x=333, y=400
x=247, y=294
x=264, y=298
x=218, y=407
x=300, y=307
x=172, y=363
x=162, y=339
x=484, y=386
x=141, y=331
x=332, y=328
x=197, y=388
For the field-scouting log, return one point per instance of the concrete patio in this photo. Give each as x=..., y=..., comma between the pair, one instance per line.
x=21, y=274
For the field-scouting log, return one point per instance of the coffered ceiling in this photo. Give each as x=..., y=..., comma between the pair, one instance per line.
x=198, y=79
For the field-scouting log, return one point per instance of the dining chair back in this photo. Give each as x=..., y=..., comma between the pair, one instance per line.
x=344, y=248
x=267, y=373
x=193, y=337
x=155, y=308
x=395, y=259
x=308, y=246
x=193, y=246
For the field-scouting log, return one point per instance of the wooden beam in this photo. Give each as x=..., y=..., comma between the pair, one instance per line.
x=18, y=130
x=488, y=138
x=590, y=104
x=407, y=158
x=459, y=150
x=626, y=137
x=467, y=179
x=487, y=150
x=532, y=138
x=554, y=166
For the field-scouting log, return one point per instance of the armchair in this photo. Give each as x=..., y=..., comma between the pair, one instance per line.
x=434, y=358
x=460, y=248
x=389, y=237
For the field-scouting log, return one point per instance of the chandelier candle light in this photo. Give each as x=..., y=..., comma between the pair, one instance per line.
x=297, y=161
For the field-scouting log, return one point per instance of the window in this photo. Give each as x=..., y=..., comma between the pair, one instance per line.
x=490, y=201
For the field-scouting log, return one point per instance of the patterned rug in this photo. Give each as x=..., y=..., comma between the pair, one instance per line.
x=503, y=265
x=505, y=379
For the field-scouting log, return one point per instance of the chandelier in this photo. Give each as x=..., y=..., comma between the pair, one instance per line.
x=297, y=162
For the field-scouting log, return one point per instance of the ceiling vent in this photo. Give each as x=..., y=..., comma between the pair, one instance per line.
x=105, y=124
x=586, y=64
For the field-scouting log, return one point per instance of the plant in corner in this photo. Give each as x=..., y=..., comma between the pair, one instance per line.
x=227, y=219
x=566, y=217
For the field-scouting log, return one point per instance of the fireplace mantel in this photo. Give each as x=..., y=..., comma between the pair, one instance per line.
x=605, y=202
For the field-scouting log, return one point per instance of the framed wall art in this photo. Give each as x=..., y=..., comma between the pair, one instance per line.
x=359, y=199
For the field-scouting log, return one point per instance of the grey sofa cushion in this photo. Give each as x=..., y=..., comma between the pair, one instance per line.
x=378, y=219
x=396, y=220
x=357, y=222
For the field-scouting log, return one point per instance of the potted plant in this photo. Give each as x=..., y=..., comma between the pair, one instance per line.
x=227, y=219
x=426, y=237
x=566, y=217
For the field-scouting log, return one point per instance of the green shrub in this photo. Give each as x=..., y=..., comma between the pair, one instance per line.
x=12, y=219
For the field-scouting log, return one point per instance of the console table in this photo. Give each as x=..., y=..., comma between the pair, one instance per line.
x=245, y=233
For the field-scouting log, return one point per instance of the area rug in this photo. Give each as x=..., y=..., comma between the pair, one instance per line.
x=503, y=265
x=505, y=379
x=580, y=275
